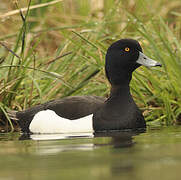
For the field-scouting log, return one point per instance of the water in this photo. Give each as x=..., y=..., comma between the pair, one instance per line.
x=155, y=154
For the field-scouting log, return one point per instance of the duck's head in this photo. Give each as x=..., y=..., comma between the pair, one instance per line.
x=122, y=58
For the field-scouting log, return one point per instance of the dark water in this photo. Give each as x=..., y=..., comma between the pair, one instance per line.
x=155, y=154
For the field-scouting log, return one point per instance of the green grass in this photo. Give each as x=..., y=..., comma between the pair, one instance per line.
x=58, y=50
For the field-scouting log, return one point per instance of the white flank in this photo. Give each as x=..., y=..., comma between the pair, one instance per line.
x=48, y=122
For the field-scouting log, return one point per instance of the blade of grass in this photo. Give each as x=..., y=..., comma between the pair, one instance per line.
x=11, y=13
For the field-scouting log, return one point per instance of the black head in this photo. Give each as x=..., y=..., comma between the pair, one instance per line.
x=122, y=58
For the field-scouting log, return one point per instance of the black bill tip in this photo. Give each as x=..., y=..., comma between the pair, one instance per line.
x=158, y=64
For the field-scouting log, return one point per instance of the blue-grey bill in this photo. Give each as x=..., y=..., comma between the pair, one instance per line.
x=146, y=61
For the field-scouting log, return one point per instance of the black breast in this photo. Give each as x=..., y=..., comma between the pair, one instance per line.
x=118, y=113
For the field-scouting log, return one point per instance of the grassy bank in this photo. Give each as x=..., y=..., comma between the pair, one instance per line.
x=55, y=49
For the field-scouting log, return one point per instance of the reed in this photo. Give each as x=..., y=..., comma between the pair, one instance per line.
x=56, y=49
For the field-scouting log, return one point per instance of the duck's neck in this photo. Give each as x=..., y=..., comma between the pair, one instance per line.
x=120, y=90
x=119, y=79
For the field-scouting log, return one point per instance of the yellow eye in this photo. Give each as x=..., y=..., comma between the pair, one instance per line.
x=127, y=49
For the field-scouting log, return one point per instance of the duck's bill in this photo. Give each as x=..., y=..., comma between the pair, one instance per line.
x=146, y=61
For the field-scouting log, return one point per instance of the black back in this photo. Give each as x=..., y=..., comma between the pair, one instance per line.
x=72, y=107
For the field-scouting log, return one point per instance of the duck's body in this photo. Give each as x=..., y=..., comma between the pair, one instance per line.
x=92, y=113
x=70, y=108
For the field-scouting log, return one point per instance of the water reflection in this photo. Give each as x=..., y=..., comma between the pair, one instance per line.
x=120, y=139
x=113, y=155
x=60, y=136
x=48, y=142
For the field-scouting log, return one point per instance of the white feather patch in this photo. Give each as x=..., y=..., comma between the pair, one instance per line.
x=48, y=121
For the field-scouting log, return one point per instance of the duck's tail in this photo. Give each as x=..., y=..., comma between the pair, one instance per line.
x=9, y=120
x=18, y=119
x=12, y=115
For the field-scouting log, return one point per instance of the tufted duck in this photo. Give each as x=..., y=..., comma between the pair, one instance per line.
x=92, y=113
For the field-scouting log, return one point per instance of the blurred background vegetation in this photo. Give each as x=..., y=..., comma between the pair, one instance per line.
x=56, y=48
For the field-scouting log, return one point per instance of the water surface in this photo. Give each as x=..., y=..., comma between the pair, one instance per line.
x=155, y=154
